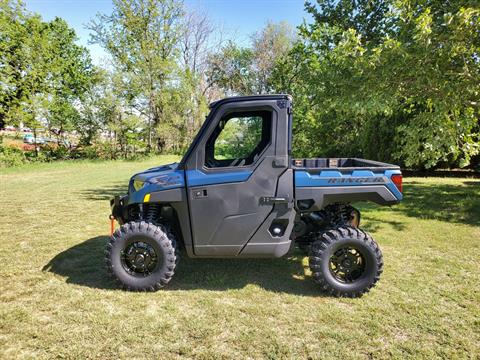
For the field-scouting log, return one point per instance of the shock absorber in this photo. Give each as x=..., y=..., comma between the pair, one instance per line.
x=151, y=215
x=345, y=214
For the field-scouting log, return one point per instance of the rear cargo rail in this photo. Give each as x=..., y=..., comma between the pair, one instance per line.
x=344, y=163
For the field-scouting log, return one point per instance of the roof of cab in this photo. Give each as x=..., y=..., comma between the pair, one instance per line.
x=249, y=98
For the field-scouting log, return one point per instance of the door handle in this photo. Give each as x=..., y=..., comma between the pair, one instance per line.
x=199, y=193
x=272, y=200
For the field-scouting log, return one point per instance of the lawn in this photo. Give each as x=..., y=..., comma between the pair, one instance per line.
x=56, y=299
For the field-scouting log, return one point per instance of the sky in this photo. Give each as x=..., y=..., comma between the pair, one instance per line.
x=238, y=18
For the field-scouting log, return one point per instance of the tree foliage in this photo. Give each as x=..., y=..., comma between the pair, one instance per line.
x=43, y=71
x=246, y=71
x=405, y=84
x=160, y=52
x=142, y=38
x=392, y=80
x=238, y=138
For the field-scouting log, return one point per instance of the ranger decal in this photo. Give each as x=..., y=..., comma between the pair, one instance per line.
x=358, y=180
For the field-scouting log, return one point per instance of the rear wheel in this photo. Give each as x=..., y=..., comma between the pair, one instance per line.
x=345, y=262
x=141, y=256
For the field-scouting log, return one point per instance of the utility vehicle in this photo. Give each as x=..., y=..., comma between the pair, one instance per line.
x=237, y=193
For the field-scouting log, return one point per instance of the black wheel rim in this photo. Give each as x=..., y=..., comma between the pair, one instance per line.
x=347, y=264
x=139, y=259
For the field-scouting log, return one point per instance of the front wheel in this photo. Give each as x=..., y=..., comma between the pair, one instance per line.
x=141, y=256
x=345, y=262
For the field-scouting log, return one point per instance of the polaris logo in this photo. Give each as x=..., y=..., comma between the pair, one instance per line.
x=166, y=180
x=357, y=180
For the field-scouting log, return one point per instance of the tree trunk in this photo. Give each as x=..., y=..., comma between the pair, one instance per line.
x=113, y=150
x=149, y=140
x=35, y=141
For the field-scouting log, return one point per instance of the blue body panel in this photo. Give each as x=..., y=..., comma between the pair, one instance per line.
x=329, y=178
x=156, y=179
x=170, y=177
x=199, y=178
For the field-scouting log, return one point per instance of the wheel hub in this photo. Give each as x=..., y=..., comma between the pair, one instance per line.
x=139, y=259
x=347, y=264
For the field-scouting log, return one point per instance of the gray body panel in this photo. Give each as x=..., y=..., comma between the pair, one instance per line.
x=231, y=214
x=266, y=244
x=169, y=196
x=323, y=196
x=177, y=198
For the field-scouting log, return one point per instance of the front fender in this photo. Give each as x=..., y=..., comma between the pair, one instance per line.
x=168, y=196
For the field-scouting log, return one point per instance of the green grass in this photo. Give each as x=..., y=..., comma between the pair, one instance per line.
x=56, y=299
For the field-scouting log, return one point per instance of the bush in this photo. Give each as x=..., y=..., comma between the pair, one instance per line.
x=16, y=153
x=28, y=147
x=11, y=156
x=55, y=152
x=84, y=152
x=105, y=151
x=32, y=156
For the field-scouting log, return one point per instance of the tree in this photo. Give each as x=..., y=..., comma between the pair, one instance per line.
x=23, y=65
x=231, y=69
x=45, y=73
x=12, y=35
x=246, y=71
x=270, y=44
x=370, y=19
x=142, y=37
x=71, y=74
x=199, y=36
x=194, y=40
x=95, y=108
x=408, y=86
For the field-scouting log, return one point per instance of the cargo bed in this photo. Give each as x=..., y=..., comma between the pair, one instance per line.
x=323, y=181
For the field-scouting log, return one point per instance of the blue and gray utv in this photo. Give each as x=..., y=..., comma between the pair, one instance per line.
x=237, y=193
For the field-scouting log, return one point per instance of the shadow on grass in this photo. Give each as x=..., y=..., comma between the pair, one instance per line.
x=83, y=264
x=451, y=203
x=372, y=224
x=455, y=203
x=104, y=193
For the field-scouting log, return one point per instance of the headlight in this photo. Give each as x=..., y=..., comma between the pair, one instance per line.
x=138, y=184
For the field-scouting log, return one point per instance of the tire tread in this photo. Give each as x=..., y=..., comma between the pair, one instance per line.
x=324, y=241
x=159, y=233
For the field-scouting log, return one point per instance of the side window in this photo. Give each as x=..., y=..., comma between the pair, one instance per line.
x=239, y=139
